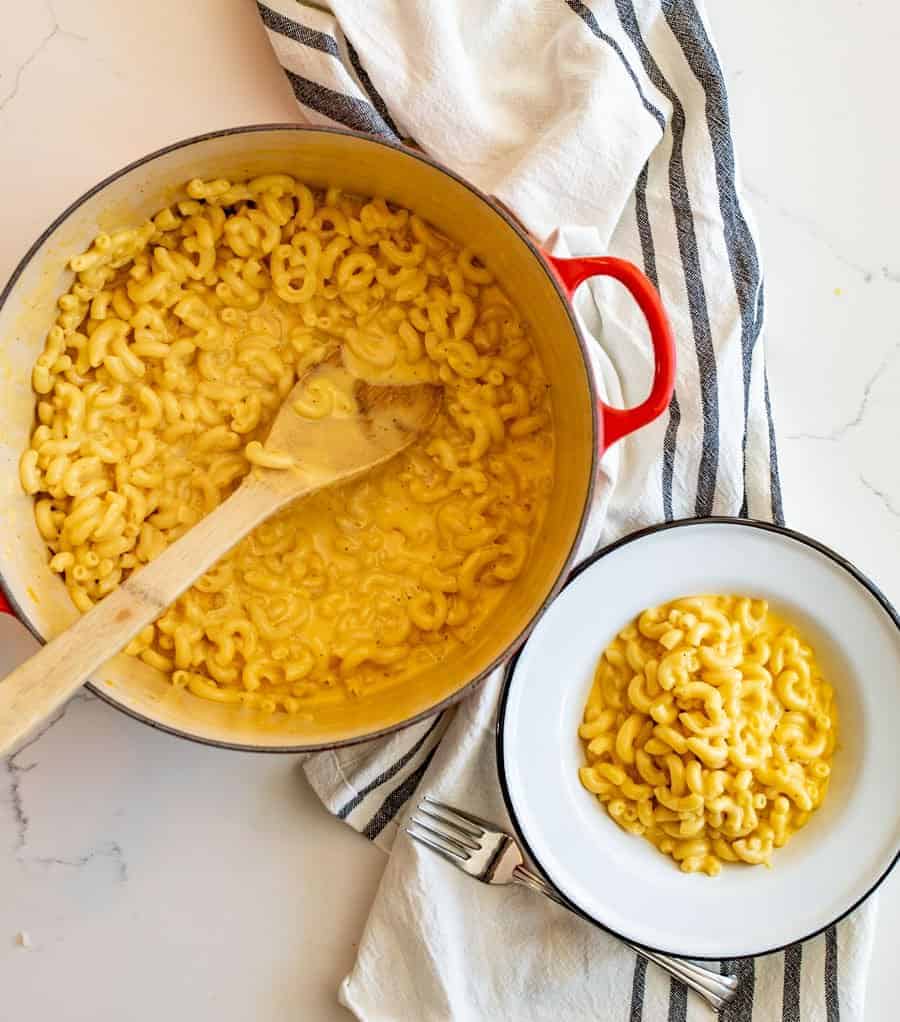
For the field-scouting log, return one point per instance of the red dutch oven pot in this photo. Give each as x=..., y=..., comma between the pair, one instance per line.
x=540, y=285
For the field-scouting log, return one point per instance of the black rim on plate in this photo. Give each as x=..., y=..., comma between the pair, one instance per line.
x=518, y=230
x=509, y=674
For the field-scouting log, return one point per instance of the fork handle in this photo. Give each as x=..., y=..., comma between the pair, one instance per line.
x=716, y=990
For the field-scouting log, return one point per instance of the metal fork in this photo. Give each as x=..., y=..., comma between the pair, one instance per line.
x=492, y=856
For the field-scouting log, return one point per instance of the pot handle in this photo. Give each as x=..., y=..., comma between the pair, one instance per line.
x=4, y=605
x=619, y=422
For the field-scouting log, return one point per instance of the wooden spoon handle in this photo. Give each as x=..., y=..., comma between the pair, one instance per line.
x=44, y=682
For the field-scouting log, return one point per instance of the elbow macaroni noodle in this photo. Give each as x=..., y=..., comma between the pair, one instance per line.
x=710, y=731
x=170, y=356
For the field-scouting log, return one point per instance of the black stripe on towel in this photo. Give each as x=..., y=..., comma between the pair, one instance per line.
x=637, y=989
x=303, y=34
x=347, y=110
x=688, y=28
x=741, y=1008
x=790, y=998
x=690, y=259
x=395, y=802
x=645, y=232
x=648, y=252
x=669, y=444
x=366, y=82
x=832, y=1004
x=774, y=475
x=677, y=1001
x=587, y=16
x=387, y=774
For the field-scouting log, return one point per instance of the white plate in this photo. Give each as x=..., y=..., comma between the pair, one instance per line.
x=622, y=881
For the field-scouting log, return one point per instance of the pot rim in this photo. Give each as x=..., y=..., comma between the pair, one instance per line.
x=523, y=236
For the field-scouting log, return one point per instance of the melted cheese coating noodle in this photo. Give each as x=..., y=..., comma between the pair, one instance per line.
x=170, y=356
x=710, y=731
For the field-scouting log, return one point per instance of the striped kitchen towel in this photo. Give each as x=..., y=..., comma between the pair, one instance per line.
x=606, y=123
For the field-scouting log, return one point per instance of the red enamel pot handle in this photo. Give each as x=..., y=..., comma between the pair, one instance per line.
x=619, y=422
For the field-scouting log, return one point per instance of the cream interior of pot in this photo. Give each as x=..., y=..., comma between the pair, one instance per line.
x=366, y=168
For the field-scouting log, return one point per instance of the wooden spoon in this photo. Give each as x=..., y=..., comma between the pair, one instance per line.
x=325, y=451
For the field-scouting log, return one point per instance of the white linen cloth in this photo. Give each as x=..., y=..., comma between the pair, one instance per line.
x=608, y=124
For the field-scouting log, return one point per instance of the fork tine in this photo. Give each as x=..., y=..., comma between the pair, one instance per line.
x=466, y=822
x=444, y=854
x=455, y=846
x=464, y=837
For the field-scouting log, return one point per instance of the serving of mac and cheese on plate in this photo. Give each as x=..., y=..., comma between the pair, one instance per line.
x=753, y=724
x=709, y=730
x=170, y=355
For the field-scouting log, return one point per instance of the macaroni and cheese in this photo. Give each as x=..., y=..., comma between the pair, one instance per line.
x=169, y=358
x=709, y=730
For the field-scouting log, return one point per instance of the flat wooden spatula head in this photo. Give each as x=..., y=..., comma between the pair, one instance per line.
x=335, y=426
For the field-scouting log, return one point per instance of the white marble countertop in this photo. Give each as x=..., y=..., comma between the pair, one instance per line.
x=156, y=878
